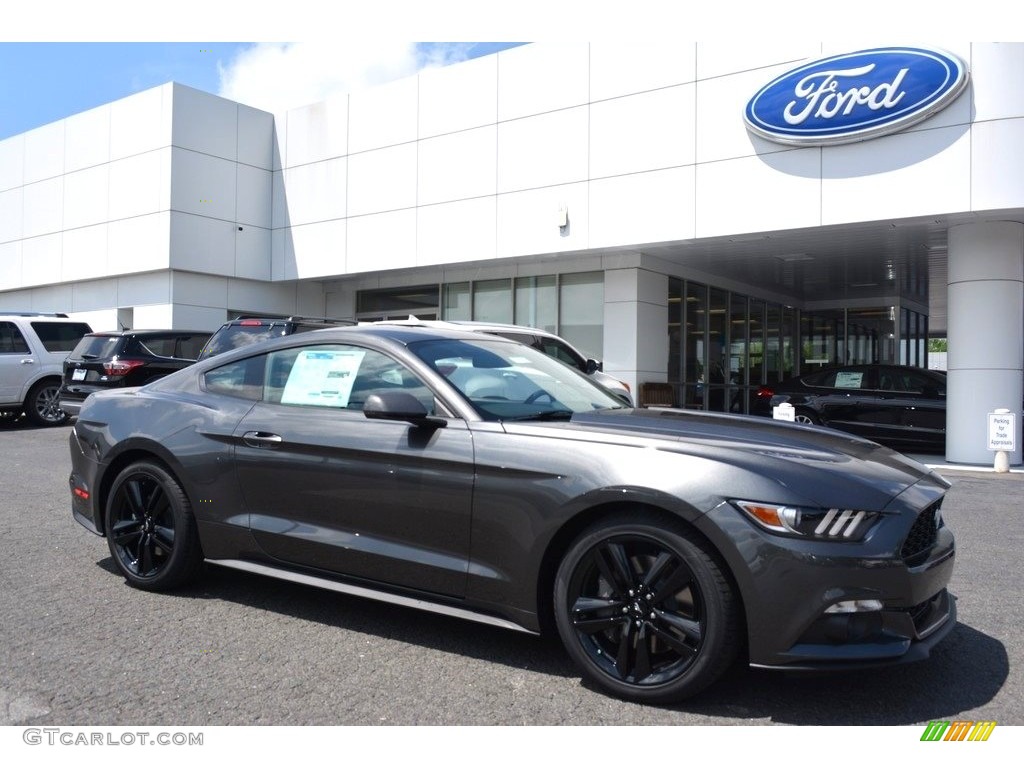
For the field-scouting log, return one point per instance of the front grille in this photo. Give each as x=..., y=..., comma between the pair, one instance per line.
x=922, y=536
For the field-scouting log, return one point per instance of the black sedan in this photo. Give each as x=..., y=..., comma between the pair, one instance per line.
x=892, y=404
x=479, y=478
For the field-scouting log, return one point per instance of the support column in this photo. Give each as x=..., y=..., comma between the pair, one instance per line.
x=986, y=335
x=636, y=327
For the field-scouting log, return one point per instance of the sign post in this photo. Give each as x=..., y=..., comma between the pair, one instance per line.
x=1002, y=437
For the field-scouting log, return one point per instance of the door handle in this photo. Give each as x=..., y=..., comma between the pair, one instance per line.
x=261, y=439
x=27, y=361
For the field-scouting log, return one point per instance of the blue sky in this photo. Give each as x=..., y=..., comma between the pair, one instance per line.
x=43, y=82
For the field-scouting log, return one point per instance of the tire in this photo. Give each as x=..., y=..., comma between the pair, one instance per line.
x=42, y=407
x=150, y=528
x=645, y=610
x=803, y=416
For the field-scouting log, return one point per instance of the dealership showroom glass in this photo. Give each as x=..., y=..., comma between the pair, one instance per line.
x=711, y=217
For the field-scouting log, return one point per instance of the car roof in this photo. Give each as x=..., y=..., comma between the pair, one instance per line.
x=149, y=332
x=472, y=325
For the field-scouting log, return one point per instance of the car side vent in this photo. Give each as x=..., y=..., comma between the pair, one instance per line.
x=923, y=534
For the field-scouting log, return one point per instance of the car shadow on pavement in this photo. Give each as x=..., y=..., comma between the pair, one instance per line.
x=965, y=671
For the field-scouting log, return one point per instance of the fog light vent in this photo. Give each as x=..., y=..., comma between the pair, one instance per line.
x=855, y=606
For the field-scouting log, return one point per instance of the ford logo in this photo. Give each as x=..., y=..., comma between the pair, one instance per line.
x=855, y=96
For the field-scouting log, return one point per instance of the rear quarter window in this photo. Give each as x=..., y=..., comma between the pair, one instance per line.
x=60, y=337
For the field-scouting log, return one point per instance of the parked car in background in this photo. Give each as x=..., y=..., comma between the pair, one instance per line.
x=891, y=404
x=247, y=330
x=548, y=343
x=478, y=478
x=125, y=359
x=33, y=346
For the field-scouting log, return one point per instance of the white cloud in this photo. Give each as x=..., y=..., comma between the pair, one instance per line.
x=280, y=76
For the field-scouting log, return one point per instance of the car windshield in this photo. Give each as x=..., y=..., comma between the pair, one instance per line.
x=506, y=381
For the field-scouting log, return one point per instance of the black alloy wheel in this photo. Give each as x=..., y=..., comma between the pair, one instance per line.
x=150, y=529
x=43, y=405
x=646, y=611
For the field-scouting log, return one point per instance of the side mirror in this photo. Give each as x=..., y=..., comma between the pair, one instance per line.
x=593, y=366
x=400, y=406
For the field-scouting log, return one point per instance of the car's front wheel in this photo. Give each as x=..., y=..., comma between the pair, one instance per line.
x=150, y=528
x=645, y=609
x=42, y=407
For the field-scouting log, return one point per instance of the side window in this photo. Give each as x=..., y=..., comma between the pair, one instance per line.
x=60, y=337
x=189, y=347
x=337, y=376
x=242, y=378
x=159, y=346
x=174, y=345
x=560, y=351
x=11, y=340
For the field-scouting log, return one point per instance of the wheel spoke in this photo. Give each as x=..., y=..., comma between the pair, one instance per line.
x=145, y=555
x=678, y=579
x=673, y=642
x=657, y=568
x=133, y=495
x=614, y=566
x=642, y=666
x=155, y=499
x=164, y=537
x=125, y=531
x=622, y=659
x=688, y=627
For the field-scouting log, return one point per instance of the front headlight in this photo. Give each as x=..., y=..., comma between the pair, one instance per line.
x=826, y=524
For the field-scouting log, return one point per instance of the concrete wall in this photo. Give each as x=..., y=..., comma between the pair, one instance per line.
x=473, y=162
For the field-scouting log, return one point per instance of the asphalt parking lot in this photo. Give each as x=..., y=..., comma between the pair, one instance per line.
x=79, y=647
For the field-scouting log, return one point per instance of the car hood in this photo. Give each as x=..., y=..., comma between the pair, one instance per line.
x=834, y=464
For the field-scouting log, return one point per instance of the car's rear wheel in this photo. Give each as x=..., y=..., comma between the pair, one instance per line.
x=645, y=609
x=150, y=528
x=43, y=404
x=803, y=416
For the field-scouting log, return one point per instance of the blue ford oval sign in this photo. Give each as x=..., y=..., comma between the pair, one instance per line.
x=856, y=96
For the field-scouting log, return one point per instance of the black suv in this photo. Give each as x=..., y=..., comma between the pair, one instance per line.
x=248, y=330
x=125, y=359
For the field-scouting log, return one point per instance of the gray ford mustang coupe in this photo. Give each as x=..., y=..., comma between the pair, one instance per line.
x=476, y=477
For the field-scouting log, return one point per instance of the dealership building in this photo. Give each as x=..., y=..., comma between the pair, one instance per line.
x=709, y=216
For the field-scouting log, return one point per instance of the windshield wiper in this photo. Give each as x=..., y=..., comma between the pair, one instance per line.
x=543, y=416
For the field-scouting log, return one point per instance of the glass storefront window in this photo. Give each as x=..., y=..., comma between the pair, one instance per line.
x=718, y=341
x=757, y=369
x=492, y=301
x=581, y=309
x=457, y=302
x=537, y=302
x=675, y=330
x=823, y=339
x=739, y=368
x=695, y=358
x=871, y=335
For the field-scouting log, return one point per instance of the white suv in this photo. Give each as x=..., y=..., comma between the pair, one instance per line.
x=32, y=351
x=548, y=343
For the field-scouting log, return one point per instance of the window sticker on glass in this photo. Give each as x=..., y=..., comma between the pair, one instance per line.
x=322, y=377
x=849, y=379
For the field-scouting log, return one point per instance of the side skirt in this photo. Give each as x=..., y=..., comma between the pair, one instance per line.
x=372, y=594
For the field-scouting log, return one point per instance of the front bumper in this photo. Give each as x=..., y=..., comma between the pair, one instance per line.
x=788, y=585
